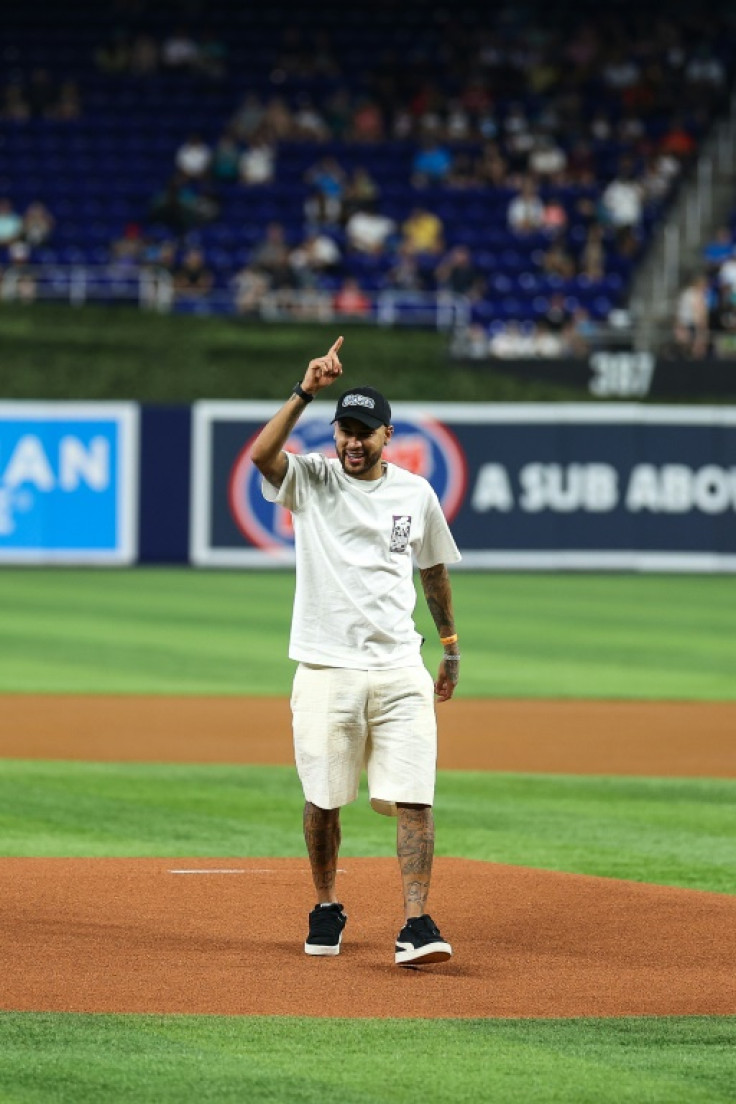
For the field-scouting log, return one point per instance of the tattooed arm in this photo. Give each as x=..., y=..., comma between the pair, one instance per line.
x=436, y=586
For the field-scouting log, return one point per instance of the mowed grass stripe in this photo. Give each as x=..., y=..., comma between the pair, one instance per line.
x=78, y=1059
x=187, y=632
x=678, y=832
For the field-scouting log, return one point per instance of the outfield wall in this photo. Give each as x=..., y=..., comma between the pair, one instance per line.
x=620, y=487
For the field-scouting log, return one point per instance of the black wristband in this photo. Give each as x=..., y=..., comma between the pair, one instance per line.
x=303, y=395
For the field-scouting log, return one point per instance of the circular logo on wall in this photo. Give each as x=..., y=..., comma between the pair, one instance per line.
x=420, y=444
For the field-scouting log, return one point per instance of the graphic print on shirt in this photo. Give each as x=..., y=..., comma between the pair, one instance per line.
x=400, y=533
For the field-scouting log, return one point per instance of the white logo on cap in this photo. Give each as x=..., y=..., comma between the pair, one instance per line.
x=359, y=400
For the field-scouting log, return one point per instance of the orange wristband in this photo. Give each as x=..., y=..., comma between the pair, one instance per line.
x=449, y=639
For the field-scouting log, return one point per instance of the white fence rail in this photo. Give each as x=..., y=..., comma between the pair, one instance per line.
x=152, y=290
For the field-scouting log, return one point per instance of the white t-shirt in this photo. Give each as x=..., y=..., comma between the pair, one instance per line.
x=355, y=539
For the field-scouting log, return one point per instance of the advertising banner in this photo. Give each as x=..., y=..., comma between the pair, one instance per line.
x=68, y=482
x=575, y=486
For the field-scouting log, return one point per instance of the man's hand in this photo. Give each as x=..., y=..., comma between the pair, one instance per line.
x=447, y=678
x=323, y=371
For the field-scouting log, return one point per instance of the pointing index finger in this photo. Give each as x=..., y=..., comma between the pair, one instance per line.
x=337, y=344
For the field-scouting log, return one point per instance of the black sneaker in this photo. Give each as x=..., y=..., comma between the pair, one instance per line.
x=419, y=942
x=325, y=930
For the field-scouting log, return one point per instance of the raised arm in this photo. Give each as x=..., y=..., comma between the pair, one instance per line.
x=438, y=593
x=267, y=452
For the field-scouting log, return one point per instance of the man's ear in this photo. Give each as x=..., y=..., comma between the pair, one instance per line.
x=388, y=433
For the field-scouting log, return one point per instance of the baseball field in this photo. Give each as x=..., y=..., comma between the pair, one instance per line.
x=154, y=886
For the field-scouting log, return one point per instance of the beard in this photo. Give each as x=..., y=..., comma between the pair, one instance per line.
x=368, y=459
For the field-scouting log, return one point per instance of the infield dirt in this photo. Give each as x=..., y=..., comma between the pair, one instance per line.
x=660, y=739
x=138, y=935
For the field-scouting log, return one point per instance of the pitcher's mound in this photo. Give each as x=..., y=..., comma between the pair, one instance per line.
x=226, y=936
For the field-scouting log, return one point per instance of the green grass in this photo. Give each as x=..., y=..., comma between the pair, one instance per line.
x=77, y=1059
x=192, y=632
x=678, y=832
x=57, y=352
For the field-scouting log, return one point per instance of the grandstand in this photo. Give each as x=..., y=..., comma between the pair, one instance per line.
x=600, y=115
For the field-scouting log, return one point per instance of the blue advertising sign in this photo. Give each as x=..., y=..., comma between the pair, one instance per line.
x=524, y=486
x=68, y=482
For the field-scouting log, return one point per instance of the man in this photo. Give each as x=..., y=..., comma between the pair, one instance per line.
x=361, y=692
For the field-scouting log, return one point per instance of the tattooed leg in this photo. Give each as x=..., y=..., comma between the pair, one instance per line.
x=322, y=836
x=415, y=849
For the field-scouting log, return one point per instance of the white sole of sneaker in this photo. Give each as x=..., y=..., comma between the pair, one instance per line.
x=323, y=952
x=422, y=956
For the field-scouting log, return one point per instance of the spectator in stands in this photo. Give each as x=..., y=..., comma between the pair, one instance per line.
x=431, y=164
x=518, y=136
x=18, y=279
x=309, y=124
x=127, y=251
x=11, y=224
x=248, y=118
x=351, y=300
x=547, y=160
x=423, y=233
x=692, y=324
x=327, y=181
x=192, y=278
x=68, y=105
x=193, y=157
x=257, y=162
x=367, y=231
x=226, y=159
x=211, y=61
x=457, y=122
x=360, y=191
x=622, y=200
x=144, y=56
x=555, y=218
x=592, y=258
x=251, y=287
x=492, y=168
x=660, y=172
x=158, y=276
x=463, y=173
x=367, y=122
x=113, y=56
x=38, y=224
x=719, y=249
x=338, y=111
x=457, y=274
x=557, y=261
x=316, y=256
x=546, y=341
x=271, y=257
x=405, y=274
x=278, y=119
x=727, y=273
x=177, y=206
x=678, y=141
x=15, y=107
x=722, y=313
x=705, y=68
x=580, y=334
x=526, y=211
x=510, y=342
x=621, y=70
x=180, y=52
x=557, y=316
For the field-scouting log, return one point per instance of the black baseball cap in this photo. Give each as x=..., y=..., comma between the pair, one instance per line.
x=366, y=405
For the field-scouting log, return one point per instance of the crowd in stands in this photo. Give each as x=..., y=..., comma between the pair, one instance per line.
x=515, y=158
x=705, y=316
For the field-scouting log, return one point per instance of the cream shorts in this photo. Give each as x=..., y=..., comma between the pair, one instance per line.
x=383, y=720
